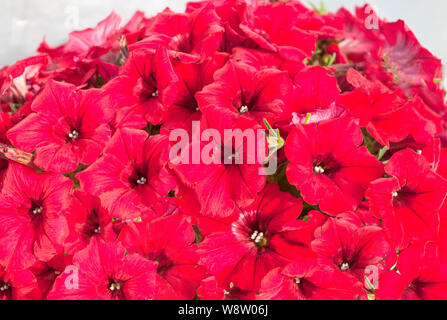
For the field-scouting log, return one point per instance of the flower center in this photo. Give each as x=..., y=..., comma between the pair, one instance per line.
x=115, y=286
x=297, y=281
x=142, y=181
x=37, y=211
x=155, y=94
x=97, y=230
x=4, y=287
x=319, y=170
x=395, y=194
x=259, y=238
x=345, y=267
x=243, y=109
x=74, y=135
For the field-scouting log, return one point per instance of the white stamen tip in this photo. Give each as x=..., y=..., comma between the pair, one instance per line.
x=98, y=230
x=319, y=170
x=257, y=237
x=243, y=109
x=115, y=287
x=395, y=194
x=5, y=287
x=37, y=210
x=155, y=94
x=297, y=281
x=73, y=135
x=254, y=235
x=142, y=181
x=344, y=267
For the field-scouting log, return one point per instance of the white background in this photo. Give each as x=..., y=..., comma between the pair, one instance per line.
x=25, y=22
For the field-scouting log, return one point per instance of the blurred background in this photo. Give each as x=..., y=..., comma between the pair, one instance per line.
x=24, y=23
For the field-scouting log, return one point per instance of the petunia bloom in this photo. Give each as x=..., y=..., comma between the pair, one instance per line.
x=103, y=271
x=68, y=128
x=132, y=175
x=328, y=165
x=169, y=242
x=261, y=237
x=409, y=200
x=32, y=226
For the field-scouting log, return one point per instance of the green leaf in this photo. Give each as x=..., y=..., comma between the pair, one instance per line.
x=198, y=234
x=321, y=10
x=382, y=153
x=100, y=81
x=437, y=80
x=274, y=139
x=14, y=107
x=306, y=121
x=328, y=60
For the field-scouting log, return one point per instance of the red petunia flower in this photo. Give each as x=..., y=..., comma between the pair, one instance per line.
x=31, y=222
x=104, y=271
x=408, y=201
x=18, y=285
x=304, y=279
x=88, y=43
x=262, y=236
x=69, y=127
x=144, y=89
x=22, y=81
x=193, y=78
x=5, y=124
x=360, y=42
x=132, y=175
x=352, y=247
x=328, y=165
x=209, y=290
x=189, y=36
x=387, y=116
x=232, y=176
x=169, y=242
x=240, y=91
x=272, y=27
x=314, y=99
x=408, y=63
x=420, y=274
x=87, y=219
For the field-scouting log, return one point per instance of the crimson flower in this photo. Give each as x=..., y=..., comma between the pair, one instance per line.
x=169, y=242
x=241, y=91
x=31, y=222
x=104, y=271
x=132, y=175
x=87, y=218
x=193, y=78
x=419, y=275
x=352, y=247
x=18, y=285
x=409, y=201
x=89, y=43
x=232, y=176
x=209, y=290
x=387, y=116
x=189, y=36
x=262, y=236
x=314, y=98
x=272, y=27
x=304, y=279
x=145, y=88
x=328, y=165
x=68, y=127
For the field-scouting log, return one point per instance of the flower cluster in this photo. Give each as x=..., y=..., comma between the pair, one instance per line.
x=93, y=207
